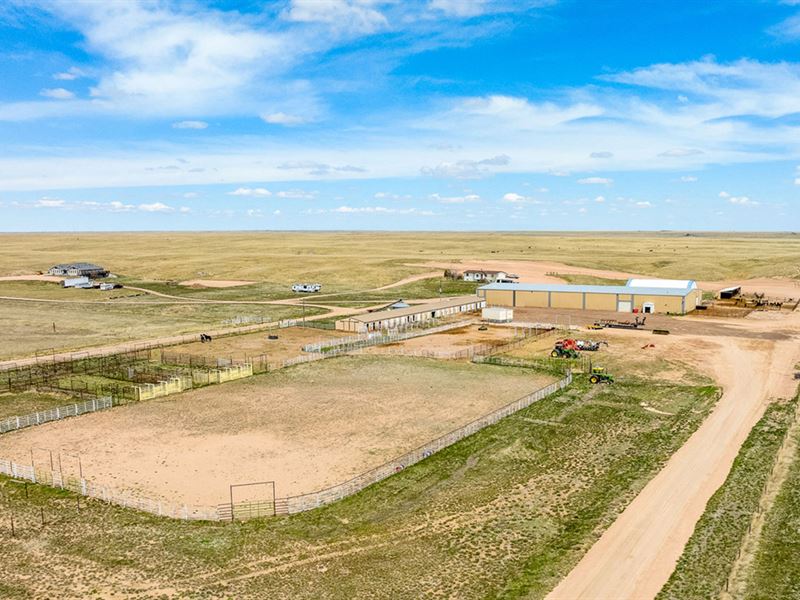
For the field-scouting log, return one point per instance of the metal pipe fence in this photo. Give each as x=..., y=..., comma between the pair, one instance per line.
x=54, y=414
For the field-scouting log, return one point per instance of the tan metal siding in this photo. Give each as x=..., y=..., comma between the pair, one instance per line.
x=531, y=299
x=566, y=300
x=663, y=304
x=601, y=301
x=499, y=297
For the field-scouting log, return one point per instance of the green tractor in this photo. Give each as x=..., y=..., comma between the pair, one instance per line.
x=562, y=352
x=599, y=375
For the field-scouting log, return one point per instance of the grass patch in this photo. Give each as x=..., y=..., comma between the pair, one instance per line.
x=14, y=404
x=775, y=572
x=589, y=279
x=711, y=551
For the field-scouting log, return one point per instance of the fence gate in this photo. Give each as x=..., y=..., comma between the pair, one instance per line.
x=250, y=500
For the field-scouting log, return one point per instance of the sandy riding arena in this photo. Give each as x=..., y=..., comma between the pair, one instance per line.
x=306, y=427
x=454, y=341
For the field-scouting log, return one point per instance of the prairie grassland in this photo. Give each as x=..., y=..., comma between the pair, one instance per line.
x=503, y=513
x=360, y=260
x=28, y=327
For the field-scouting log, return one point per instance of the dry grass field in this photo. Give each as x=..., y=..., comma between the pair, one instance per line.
x=289, y=344
x=306, y=428
x=356, y=260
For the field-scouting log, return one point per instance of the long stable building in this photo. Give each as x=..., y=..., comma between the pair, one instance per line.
x=405, y=317
x=639, y=295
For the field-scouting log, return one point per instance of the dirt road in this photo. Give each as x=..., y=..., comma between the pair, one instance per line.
x=636, y=555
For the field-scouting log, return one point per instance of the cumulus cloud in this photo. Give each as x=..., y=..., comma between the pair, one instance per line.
x=46, y=202
x=297, y=194
x=742, y=201
x=595, y=181
x=70, y=74
x=57, y=94
x=466, y=169
x=378, y=210
x=246, y=191
x=155, y=207
x=190, y=125
x=643, y=204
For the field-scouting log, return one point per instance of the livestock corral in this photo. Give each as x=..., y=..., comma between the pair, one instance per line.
x=304, y=428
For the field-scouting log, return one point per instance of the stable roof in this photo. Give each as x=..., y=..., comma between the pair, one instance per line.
x=382, y=315
x=589, y=289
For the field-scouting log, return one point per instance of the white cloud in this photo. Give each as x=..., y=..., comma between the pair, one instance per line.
x=297, y=194
x=281, y=118
x=600, y=199
x=276, y=212
x=596, y=181
x=582, y=210
x=680, y=152
x=643, y=204
x=466, y=169
x=256, y=192
x=341, y=15
x=460, y=8
x=57, y=94
x=190, y=195
x=155, y=207
x=724, y=194
x=190, y=125
x=455, y=199
x=70, y=74
x=603, y=154
x=379, y=210
x=46, y=202
x=742, y=201
x=688, y=178
x=184, y=210
x=797, y=181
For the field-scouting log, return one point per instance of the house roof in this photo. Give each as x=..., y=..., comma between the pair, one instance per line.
x=413, y=310
x=484, y=271
x=591, y=289
x=662, y=283
x=79, y=265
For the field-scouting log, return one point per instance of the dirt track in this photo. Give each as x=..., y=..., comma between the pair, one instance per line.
x=636, y=555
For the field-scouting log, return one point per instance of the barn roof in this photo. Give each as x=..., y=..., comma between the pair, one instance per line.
x=662, y=283
x=591, y=289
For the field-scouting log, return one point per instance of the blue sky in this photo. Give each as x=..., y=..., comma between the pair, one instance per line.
x=429, y=115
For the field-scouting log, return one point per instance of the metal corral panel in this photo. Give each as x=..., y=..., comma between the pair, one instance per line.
x=497, y=314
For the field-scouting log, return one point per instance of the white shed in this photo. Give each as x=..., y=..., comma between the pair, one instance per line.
x=497, y=314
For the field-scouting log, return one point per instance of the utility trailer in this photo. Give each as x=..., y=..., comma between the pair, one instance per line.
x=614, y=324
x=306, y=288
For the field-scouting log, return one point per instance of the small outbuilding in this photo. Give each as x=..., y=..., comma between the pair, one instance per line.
x=497, y=314
x=409, y=317
x=483, y=275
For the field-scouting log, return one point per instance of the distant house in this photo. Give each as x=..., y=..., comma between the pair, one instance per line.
x=306, y=288
x=78, y=269
x=483, y=275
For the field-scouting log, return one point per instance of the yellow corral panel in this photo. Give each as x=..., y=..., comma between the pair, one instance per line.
x=499, y=298
x=531, y=299
x=566, y=300
x=601, y=301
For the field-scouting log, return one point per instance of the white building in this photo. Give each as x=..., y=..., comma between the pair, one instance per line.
x=483, y=275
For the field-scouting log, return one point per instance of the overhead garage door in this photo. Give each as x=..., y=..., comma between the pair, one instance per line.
x=624, y=306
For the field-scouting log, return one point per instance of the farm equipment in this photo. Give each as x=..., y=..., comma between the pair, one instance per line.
x=614, y=324
x=599, y=375
x=565, y=349
x=589, y=345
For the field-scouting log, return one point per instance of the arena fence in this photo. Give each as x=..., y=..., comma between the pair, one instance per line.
x=304, y=502
x=54, y=414
x=364, y=340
